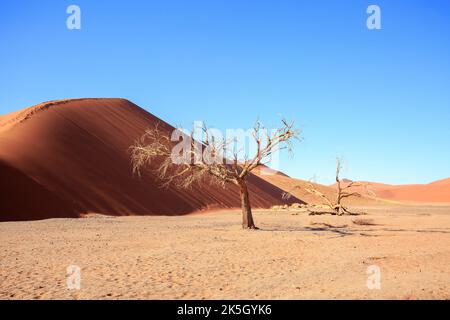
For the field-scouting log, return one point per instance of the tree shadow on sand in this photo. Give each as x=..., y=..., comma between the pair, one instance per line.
x=344, y=230
x=333, y=213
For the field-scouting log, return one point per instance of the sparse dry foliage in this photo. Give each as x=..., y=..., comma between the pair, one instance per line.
x=156, y=145
x=217, y=161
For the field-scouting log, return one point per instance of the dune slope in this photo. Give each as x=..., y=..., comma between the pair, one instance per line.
x=36, y=200
x=69, y=157
x=296, y=187
x=434, y=192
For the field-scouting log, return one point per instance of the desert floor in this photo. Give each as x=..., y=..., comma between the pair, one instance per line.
x=208, y=256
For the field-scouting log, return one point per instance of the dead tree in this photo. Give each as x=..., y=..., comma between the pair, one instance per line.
x=215, y=160
x=342, y=192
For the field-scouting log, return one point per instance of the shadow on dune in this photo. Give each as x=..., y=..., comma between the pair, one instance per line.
x=23, y=197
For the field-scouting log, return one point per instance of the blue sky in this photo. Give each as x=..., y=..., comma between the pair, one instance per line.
x=379, y=98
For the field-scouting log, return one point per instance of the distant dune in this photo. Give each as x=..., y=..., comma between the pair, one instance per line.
x=296, y=187
x=442, y=182
x=70, y=157
x=434, y=192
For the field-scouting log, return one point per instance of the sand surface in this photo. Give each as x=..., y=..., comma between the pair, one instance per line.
x=208, y=256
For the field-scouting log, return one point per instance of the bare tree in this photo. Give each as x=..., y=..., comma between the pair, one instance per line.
x=343, y=191
x=215, y=160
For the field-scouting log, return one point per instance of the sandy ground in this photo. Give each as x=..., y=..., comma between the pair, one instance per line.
x=293, y=256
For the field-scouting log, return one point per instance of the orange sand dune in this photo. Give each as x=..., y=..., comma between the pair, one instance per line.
x=441, y=182
x=438, y=191
x=70, y=157
x=433, y=192
x=297, y=188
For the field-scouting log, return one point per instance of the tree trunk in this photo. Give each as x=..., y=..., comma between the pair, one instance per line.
x=338, y=196
x=247, y=217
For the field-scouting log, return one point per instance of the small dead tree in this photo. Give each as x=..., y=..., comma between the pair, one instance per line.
x=342, y=192
x=215, y=160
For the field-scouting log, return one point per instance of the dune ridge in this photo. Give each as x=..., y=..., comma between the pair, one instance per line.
x=20, y=116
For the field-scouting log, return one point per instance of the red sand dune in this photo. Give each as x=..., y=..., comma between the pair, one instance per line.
x=438, y=191
x=70, y=157
x=364, y=187
x=441, y=182
x=297, y=187
x=432, y=192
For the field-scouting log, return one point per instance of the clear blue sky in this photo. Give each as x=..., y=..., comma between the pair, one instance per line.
x=380, y=98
